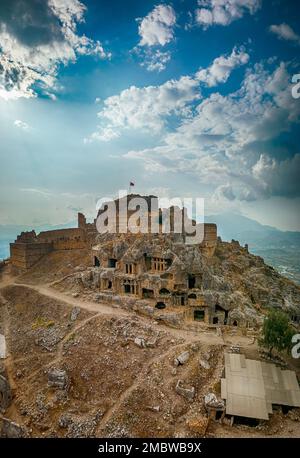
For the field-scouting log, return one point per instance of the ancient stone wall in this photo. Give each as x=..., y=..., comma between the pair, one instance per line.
x=64, y=239
x=29, y=247
x=26, y=237
x=25, y=255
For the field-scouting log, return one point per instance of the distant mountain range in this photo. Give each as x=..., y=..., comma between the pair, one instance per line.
x=281, y=249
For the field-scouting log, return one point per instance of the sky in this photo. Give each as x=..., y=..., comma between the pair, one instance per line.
x=186, y=98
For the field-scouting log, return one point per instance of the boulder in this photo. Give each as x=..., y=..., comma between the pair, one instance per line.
x=86, y=278
x=10, y=429
x=154, y=408
x=140, y=342
x=205, y=364
x=74, y=313
x=57, y=378
x=188, y=393
x=182, y=358
x=5, y=393
x=211, y=401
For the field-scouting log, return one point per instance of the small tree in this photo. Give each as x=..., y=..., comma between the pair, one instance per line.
x=276, y=332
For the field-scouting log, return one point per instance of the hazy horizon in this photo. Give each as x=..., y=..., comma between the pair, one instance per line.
x=183, y=98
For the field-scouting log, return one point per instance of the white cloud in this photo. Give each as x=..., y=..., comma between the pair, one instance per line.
x=261, y=109
x=104, y=134
x=234, y=191
x=155, y=60
x=278, y=177
x=223, y=12
x=44, y=193
x=146, y=108
x=222, y=67
x=149, y=107
x=21, y=124
x=220, y=141
x=51, y=95
x=157, y=27
x=285, y=32
x=34, y=42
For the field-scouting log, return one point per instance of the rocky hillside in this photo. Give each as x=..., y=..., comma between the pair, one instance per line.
x=80, y=368
x=243, y=280
x=238, y=281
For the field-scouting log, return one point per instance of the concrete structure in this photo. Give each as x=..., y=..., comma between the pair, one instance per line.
x=252, y=387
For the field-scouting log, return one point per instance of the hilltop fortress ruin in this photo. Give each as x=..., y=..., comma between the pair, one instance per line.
x=159, y=274
x=135, y=333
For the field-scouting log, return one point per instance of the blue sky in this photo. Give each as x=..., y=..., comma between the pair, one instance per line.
x=186, y=98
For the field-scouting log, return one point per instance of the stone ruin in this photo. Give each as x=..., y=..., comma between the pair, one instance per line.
x=29, y=247
x=159, y=271
x=160, y=274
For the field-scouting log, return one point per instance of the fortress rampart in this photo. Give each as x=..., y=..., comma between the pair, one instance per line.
x=28, y=248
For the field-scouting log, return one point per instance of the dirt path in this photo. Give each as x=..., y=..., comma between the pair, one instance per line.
x=104, y=309
x=98, y=310
x=209, y=337
x=101, y=308
x=87, y=305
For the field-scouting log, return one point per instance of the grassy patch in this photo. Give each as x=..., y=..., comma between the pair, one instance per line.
x=42, y=322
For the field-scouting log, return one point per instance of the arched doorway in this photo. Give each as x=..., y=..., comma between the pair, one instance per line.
x=164, y=291
x=160, y=305
x=215, y=320
x=235, y=323
x=96, y=261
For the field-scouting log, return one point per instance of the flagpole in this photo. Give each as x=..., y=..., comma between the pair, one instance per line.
x=131, y=183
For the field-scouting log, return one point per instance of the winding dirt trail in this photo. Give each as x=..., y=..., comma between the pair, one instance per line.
x=97, y=310
x=102, y=308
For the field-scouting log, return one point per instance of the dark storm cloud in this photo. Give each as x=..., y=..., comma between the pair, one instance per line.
x=31, y=22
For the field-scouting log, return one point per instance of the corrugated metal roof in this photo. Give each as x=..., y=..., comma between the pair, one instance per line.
x=251, y=387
